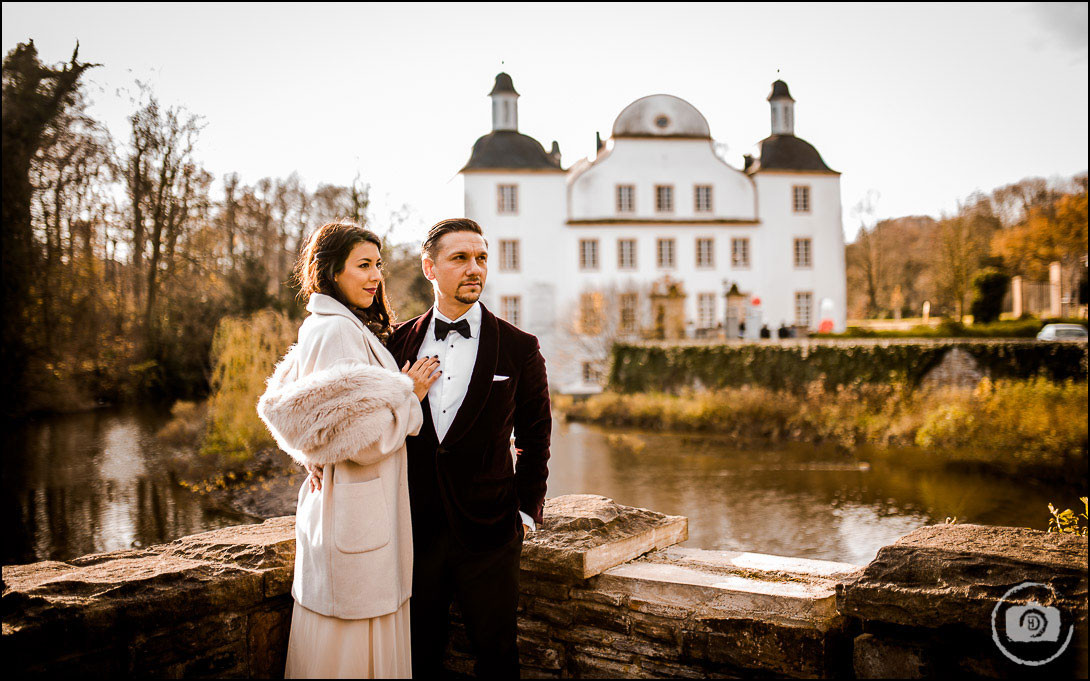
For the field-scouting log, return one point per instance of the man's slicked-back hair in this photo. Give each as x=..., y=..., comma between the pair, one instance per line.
x=430, y=247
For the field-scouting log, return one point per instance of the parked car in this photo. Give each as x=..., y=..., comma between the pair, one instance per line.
x=1053, y=332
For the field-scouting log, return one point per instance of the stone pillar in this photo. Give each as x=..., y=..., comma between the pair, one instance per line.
x=1016, y=296
x=753, y=322
x=732, y=325
x=1055, y=290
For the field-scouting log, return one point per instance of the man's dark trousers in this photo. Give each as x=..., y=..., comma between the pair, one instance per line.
x=485, y=586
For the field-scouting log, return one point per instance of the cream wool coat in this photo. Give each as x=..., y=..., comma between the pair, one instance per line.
x=338, y=399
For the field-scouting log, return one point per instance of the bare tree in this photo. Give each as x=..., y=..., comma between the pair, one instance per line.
x=870, y=254
x=963, y=241
x=160, y=179
x=71, y=173
x=601, y=318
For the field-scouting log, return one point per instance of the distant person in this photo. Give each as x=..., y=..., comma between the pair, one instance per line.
x=741, y=329
x=783, y=331
x=338, y=404
x=765, y=332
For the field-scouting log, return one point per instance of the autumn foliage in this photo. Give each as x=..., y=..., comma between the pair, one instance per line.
x=896, y=264
x=122, y=252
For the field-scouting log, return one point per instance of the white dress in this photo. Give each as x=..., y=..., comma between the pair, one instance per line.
x=321, y=647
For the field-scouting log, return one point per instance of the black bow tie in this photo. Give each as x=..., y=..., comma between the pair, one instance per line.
x=442, y=328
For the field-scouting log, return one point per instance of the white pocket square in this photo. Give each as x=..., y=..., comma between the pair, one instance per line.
x=497, y=377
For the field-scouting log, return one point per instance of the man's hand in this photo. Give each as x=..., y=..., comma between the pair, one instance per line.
x=314, y=477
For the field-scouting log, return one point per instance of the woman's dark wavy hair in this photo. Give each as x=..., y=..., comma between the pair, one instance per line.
x=323, y=258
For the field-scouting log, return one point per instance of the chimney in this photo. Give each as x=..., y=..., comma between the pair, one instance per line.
x=598, y=140
x=555, y=152
x=748, y=160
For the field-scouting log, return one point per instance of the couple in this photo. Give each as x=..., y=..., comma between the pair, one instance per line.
x=406, y=432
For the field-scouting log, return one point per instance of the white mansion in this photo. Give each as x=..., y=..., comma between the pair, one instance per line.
x=655, y=237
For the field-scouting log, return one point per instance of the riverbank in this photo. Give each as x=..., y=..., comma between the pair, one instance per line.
x=1031, y=427
x=263, y=486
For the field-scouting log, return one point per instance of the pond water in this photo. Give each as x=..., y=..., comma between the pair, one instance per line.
x=99, y=481
x=96, y=481
x=802, y=501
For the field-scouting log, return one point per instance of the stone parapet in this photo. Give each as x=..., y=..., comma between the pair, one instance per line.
x=926, y=602
x=606, y=592
x=210, y=605
x=630, y=604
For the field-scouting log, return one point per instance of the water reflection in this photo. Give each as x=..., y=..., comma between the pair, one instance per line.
x=801, y=502
x=93, y=482
x=86, y=483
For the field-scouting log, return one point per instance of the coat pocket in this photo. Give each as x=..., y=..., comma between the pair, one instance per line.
x=361, y=521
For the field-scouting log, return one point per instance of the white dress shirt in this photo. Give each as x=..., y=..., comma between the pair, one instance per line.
x=457, y=357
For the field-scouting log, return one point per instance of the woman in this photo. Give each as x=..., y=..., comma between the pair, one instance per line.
x=338, y=404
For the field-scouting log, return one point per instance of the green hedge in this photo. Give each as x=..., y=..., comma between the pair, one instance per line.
x=645, y=368
x=1010, y=328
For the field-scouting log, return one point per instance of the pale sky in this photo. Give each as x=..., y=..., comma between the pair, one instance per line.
x=921, y=103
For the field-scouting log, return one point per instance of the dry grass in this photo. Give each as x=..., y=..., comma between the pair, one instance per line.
x=1013, y=426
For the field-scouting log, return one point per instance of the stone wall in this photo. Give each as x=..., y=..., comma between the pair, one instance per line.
x=606, y=593
x=215, y=604
x=957, y=368
x=926, y=603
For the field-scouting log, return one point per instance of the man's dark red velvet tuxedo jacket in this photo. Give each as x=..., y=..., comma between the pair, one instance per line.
x=468, y=480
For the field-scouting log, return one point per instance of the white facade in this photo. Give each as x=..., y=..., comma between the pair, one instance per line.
x=568, y=226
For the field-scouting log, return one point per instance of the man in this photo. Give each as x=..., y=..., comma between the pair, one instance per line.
x=471, y=504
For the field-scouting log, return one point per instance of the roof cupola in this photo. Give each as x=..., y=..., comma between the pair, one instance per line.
x=783, y=109
x=505, y=111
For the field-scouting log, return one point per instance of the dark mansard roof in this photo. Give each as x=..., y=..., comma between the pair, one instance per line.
x=510, y=150
x=787, y=152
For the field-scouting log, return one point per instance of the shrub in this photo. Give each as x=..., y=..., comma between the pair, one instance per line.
x=1067, y=522
x=244, y=352
x=990, y=286
x=186, y=428
x=1015, y=425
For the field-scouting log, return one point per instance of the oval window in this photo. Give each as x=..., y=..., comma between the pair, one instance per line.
x=662, y=121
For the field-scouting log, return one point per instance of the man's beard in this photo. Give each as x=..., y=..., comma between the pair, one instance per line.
x=470, y=297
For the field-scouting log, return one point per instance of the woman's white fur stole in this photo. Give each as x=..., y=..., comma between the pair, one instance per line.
x=332, y=414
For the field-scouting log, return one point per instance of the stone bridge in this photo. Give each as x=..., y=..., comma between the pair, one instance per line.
x=606, y=592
